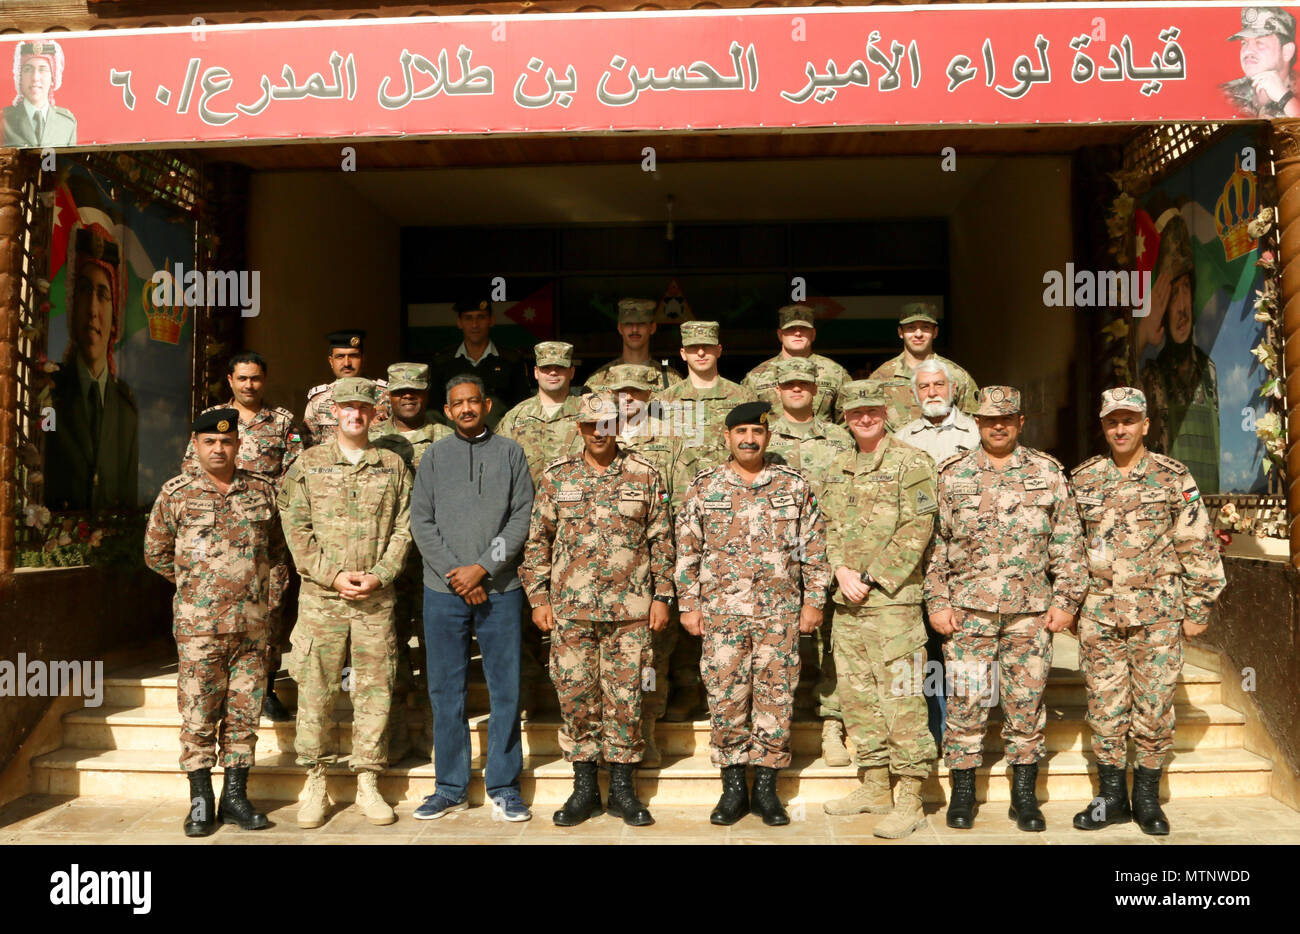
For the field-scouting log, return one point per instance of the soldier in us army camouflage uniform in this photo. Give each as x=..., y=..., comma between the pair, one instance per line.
x=345, y=506
x=751, y=576
x=796, y=331
x=1005, y=572
x=636, y=325
x=213, y=533
x=918, y=326
x=880, y=504
x=1154, y=572
x=597, y=569
x=1268, y=54
x=346, y=360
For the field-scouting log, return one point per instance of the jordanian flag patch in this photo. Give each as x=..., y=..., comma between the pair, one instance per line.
x=1192, y=495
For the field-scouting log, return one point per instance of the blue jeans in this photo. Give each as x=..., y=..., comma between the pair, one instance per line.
x=448, y=622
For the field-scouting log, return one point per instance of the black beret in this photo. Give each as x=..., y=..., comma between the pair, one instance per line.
x=346, y=339
x=221, y=421
x=472, y=304
x=749, y=413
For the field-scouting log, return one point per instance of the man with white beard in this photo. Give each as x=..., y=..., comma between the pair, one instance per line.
x=943, y=429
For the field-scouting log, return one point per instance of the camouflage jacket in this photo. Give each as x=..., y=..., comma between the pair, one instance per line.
x=544, y=438
x=830, y=377
x=219, y=550
x=698, y=415
x=745, y=550
x=657, y=445
x=599, y=378
x=880, y=510
x=343, y=517
x=320, y=423
x=410, y=447
x=1008, y=540
x=1241, y=92
x=1151, y=551
x=268, y=443
x=600, y=542
x=808, y=447
x=903, y=407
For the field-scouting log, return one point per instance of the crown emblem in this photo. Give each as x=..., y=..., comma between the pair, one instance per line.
x=165, y=321
x=1234, y=211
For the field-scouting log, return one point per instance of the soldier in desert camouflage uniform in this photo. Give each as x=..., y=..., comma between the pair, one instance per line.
x=213, y=534
x=636, y=325
x=345, y=506
x=1154, y=572
x=796, y=331
x=751, y=576
x=346, y=359
x=1006, y=572
x=918, y=325
x=597, y=569
x=1267, y=55
x=880, y=504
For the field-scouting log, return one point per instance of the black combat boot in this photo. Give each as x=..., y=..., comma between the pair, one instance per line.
x=1111, y=804
x=734, y=803
x=1024, y=798
x=961, y=803
x=235, y=807
x=272, y=708
x=202, y=818
x=1146, y=802
x=623, y=801
x=585, y=800
x=766, y=804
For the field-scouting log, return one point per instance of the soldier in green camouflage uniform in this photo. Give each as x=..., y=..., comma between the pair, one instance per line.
x=918, y=325
x=213, y=534
x=1154, y=572
x=1267, y=88
x=346, y=360
x=880, y=504
x=636, y=325
x=751, y=575
x=345, y=506
x=1006, y=572
x=796, y=331
x=597, y=569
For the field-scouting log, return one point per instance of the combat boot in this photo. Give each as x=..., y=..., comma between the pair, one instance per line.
x=202, y=817
x=734, y=803
x=1024, y=798
x=961, y=803
x=1111, y=804
x=235, y=808
x=315, y=805
x=651, y=758
x=623, y=801
x=585, y=800
x=908, y=813
x=764, y=799
x=371, y=802
x=870, y=797
x=833, y=751
x=272, y=707
x=1146, y=802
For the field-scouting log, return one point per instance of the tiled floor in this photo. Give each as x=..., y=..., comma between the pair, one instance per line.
x=38, y=819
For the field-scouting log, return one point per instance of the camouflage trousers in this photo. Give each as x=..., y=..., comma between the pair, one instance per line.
x=596, y=669
x=325, y=627
x=991, y=652
x=220, y=686
x=1131, y=673
x=750, y=667
x=880, y=656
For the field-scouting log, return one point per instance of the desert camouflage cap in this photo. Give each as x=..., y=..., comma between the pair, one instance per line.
x=1259, y=21
x=860, y=393
x=598, y=407
x=218, y=421
x=789, y=369
x=789, y=316
x=999, y=400
x=633, y=376
x=700, y=332
x=1174, y=257
x=355, y=389
x=636, y=310
x=553, y=353
x=918, y=311
x=408, y=376
x=1122, y=397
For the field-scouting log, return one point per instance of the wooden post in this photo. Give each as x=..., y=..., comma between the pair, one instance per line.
x=12, y=225
x=1286, y=160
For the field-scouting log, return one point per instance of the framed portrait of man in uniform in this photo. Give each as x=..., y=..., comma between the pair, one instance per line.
x=33, y=119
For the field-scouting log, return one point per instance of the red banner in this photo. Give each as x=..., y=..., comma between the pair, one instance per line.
x=818, y=67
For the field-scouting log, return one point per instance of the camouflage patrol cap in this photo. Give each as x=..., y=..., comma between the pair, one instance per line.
x=998, y=400
x=636, y=310
x=633, y=376
x=597, y=407
x=408, y=376
x=918, y=311
x=789, y=316
x=695, y=333
x=553, y=353
x=790, y=369
x=861, y=393
x=1175, y=253
x=355, y=389
x=1122, y=397
x=1259, y=21
x=218, y=421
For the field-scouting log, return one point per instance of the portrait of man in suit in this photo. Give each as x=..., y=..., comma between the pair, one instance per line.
x=33, y=119
x=92, y=456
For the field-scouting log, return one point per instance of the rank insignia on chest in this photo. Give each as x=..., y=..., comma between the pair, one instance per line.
x=1035, y=483
x=781, y=500
x=568, y=496
x=718, y=504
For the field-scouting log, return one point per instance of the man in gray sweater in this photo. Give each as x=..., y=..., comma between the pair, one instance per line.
x=470, y=510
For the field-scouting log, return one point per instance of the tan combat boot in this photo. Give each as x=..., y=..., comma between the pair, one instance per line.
x=315, y=801
x=871, y=797
x=651, y=759
x=371, y=802
x=833, y=751
x=907, y=814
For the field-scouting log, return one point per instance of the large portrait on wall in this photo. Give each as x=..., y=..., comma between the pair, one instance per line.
x=34, y=119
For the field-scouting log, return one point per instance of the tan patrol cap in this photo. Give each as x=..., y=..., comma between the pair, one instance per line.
x=597, y=407
x=998, y=400
x=790, y=369
x=862, y=393
x=700, y=332
x=791, y=315
x=918, y=311
x=633, y=376
x=553, y=353
x=408, y=376
x=1122, y=397
x=355, y=389
x=636, y=310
